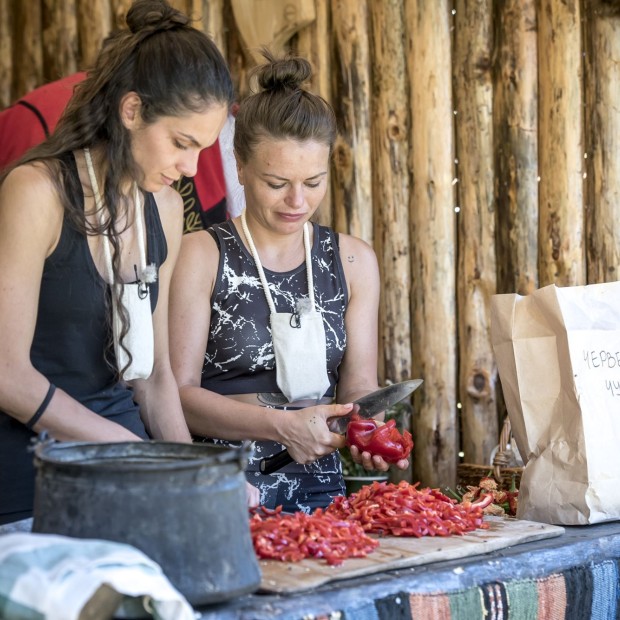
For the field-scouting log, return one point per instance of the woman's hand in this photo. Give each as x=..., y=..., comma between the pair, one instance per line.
x=373, y=462
x=307, y=435
x=252, y=495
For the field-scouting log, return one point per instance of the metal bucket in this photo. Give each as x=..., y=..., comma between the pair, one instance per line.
x=183, y=505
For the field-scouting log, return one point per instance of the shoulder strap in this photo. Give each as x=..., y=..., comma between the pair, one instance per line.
x=38, y=114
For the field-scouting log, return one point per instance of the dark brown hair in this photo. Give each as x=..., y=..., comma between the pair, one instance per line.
x=282, y=108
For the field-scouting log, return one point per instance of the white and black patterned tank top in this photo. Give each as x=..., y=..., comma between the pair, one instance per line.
x=239, y=357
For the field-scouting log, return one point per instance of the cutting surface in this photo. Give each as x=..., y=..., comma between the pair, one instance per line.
x=399, y=552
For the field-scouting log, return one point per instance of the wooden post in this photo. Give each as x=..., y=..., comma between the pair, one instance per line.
x=94, y=24
x=210, y=14
x=6, y=53
x=561, y=257
x=60, y=45
x=516, y=146
x=313, y=43
x=119, y=10
x=234, y=54
x=603, y=128
x=351, y=180
x=431, y=210
x=476, y=281
x=27, y=48
x=181, y=5
x=390, y=148
x=270, y=22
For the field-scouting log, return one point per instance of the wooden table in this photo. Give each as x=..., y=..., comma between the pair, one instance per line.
x=577, y=546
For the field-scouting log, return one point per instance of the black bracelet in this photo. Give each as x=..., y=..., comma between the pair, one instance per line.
x=42, y=407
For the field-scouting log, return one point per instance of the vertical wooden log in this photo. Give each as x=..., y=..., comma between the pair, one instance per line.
x=473, y=49
x=119, y=10
x=181, y=5
x=236, y=57
x=351, y=180
x=60, y=45
x=516, y=146
x=432, y=215
x=390, y=148
x=313, y=43
x=561, y=258
x=94, y=24
x=27, y=48
x=271, y=23
x=603, y=120
x=6, y=54
x=211, y=15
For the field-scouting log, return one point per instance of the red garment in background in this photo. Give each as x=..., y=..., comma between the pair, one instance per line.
x=33, y=117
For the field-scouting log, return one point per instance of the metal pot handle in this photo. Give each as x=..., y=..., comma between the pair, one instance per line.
x=41, y=442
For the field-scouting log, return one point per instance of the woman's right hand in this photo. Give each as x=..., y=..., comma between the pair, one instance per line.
x=306, y=433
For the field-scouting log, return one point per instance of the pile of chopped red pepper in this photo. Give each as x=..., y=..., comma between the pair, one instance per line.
x=383, y=440
x=404, y=510
x=293, y=537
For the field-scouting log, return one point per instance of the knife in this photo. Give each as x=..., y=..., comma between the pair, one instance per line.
x=368, y=407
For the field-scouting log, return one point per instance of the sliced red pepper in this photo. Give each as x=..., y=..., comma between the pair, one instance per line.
x=359, y=432
x=403, y=510
x=292, y=538
x=483, y=501
x=383, y=440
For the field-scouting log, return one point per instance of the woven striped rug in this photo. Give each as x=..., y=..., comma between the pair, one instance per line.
x=581, y=593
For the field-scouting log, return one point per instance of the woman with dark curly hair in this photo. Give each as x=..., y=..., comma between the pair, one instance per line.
x=89, y=234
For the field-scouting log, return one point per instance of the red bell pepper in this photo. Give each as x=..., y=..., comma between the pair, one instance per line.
x=381, y=440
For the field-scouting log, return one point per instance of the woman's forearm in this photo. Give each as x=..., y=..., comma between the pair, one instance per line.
x=213, y=415
x=160, y=407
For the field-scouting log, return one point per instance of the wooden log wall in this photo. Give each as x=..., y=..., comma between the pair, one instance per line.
x=478, y=153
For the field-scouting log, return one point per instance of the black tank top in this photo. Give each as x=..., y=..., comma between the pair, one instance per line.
x=239, y=357
x=71, y=335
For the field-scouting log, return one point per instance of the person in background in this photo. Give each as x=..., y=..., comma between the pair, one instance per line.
x=244, y=291
x=208, y=197
x=90, y=229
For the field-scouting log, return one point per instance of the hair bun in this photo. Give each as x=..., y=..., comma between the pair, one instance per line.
x=287, y=73
x=149, y=16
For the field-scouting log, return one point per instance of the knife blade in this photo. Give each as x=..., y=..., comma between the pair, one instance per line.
x=367, y=407
x=375, y=402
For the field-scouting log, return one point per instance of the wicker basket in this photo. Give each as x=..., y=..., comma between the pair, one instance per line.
x=469, y=474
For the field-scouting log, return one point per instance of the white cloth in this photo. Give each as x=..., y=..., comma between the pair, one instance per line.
x=235, y=196
x=135, y=296
x=55, y=577
x=298, y=337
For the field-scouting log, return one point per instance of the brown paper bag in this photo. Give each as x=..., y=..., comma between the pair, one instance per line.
x=558, y=357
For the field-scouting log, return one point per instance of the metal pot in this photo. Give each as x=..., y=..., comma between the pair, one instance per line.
x=184, y=505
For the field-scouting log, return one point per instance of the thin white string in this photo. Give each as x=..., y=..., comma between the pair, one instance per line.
x=261, y=272
x=107, y=254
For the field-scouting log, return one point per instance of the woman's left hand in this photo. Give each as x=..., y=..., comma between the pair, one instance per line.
x=373, y=462
x=252, y=495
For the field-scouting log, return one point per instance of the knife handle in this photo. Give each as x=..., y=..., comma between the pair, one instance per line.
x=273, y=463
